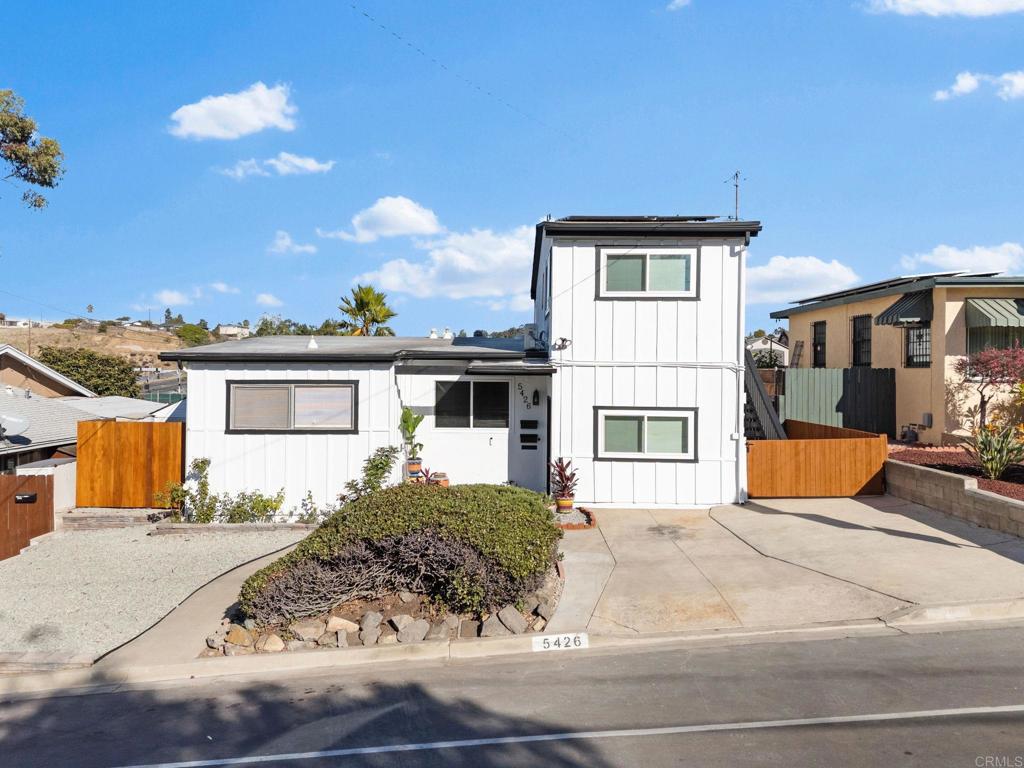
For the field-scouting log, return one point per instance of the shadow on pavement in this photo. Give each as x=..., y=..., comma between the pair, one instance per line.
x=216, y=720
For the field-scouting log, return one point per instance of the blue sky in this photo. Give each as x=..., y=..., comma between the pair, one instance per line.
x=876, y=137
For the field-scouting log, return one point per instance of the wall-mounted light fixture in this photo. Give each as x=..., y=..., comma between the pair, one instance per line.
x=536, y=397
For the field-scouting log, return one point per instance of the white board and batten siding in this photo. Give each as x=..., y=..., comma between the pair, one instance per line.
x=297, y=462
x=647, y=353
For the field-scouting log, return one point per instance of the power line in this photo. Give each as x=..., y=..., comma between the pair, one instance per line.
x=482, y=89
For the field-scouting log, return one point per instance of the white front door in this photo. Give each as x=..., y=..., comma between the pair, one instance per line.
x=528, y=446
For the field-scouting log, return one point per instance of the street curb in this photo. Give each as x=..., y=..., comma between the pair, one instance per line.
x=102, y=678
x=1009, y=609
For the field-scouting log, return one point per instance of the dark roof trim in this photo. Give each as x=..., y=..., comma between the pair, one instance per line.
x=637, y=226
x=196, y=354
x=897, y=287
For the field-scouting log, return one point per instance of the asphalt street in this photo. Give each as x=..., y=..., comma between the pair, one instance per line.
x=952, y=699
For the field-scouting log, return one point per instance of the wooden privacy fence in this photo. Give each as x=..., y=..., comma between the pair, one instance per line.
x=856, y=398
x=26, y=511
x=126, y=463
x=816, y=460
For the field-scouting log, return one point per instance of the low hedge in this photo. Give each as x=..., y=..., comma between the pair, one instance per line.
x=468, y=547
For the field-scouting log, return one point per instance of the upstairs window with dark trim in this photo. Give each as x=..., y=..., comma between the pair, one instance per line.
x=861, y=333
x=648, y=273
x=818, y=344
x=918, y=346
x=471, y=404
x=279, y=406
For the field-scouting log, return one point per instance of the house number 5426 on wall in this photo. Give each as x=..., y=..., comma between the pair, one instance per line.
x=568, y=642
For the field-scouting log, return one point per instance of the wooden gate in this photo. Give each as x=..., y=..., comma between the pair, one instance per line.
x=26, y=511
x=124, y=464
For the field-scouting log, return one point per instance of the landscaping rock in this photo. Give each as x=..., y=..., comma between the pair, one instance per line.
x=299, y=645
x=370, y=620
x=546, y=609
x=438, y=632
x=451, y=621
x=414, y=632
x=270, y=644
x=338, y=624
x=342, y=639
x=512, y=619
x=352, y=638
x=401, y=621
x=238, y=635
x=238, y=650
x=406, y=597
x=539, y=624
x=249, y=624
x=494, y=628
x=531, y=603
x=308, y=629
x=388, y=639
x=469, y=628
x=210, y=652
x=370, y=636
x=328, y=640
x=215, y=641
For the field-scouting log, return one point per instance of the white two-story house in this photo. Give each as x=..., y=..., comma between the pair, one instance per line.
x=633, y=371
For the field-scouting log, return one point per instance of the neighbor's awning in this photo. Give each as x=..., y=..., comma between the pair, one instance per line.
x=995, y=313
x=910, y=308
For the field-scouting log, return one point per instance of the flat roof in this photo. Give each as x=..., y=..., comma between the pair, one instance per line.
x=900, y=285
x=638, y=226
x=351, y=349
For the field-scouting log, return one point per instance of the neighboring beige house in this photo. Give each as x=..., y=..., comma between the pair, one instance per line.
x=920, y=326
x=23, y=372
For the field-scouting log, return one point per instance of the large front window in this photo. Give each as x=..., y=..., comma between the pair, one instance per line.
x=275, y=406
x=642, y=433
x=993, y=337
x=648, y=273
x=471, y=404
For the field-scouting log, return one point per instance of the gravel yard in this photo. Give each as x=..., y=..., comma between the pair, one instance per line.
x=87, y=592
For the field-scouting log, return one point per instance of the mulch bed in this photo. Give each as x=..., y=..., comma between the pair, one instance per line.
x=958, y=462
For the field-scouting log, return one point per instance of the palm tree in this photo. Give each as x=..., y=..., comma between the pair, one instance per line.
x=366, y=313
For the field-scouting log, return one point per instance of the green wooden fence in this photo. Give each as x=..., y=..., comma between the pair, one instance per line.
x=855, y=398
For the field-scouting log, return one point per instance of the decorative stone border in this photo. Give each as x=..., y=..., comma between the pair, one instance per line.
x=956, y=495
x=591, y=518
x=171, y=529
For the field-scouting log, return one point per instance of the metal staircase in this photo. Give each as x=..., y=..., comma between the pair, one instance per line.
x=760, y=421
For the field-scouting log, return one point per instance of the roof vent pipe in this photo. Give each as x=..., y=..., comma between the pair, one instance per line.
x=448, y=334
x=312, y=344
x=433, y=333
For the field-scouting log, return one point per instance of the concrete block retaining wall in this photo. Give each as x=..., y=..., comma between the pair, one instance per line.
x=955, y=495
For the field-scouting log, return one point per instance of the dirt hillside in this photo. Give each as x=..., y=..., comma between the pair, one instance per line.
x=139, y=345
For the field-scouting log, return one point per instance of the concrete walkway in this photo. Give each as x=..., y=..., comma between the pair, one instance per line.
x=777, y=563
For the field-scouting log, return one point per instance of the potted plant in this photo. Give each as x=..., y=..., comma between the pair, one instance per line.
x=563, y=484
x=408, y=424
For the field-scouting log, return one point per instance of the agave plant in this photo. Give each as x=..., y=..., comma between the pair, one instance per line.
x=996, y=447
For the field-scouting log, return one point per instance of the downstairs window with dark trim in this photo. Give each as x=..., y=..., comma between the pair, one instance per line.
x=918, y=346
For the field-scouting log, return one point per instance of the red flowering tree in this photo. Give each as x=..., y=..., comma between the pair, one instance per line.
x=989, y=369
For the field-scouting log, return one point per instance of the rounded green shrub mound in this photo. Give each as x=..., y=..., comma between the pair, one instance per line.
x=469, y=547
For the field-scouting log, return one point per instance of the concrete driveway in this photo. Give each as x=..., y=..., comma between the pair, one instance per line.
x=778, y=563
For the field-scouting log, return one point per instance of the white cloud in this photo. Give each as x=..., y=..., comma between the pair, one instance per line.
x=283, y=243
x=675, y=5
x=287, y=164
x=245, y=168
x=268, y=300
x=171, y=298
x=220, y=287
x=946, y=7
x=389, y=217
x=789, y=278
x=966, y=82
x=479, y=264
x=1007, y=257
x=232, y=115
x=1008, y=86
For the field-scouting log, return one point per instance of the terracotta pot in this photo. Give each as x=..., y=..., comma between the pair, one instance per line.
x=564, y=505
x=439, y=478
x=414, y=467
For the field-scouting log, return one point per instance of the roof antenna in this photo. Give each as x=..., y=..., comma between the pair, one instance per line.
x=736, y=178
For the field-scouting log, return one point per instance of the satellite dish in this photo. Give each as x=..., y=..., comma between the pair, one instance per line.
x=11, y=426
